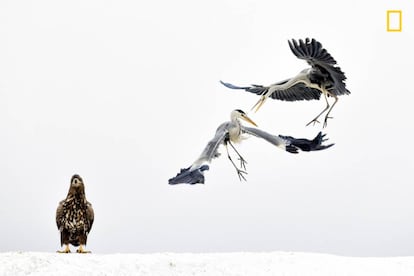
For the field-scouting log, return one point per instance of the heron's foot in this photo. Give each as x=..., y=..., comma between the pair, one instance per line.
x=243, y=163
x=325, y=122
x=314, y=121
x=82, y=250
x=66, y=250
x=240, y=174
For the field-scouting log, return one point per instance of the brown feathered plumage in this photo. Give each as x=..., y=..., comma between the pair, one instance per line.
x=74, y=216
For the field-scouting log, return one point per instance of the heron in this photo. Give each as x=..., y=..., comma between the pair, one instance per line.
x=234, y=132
x=323, y=77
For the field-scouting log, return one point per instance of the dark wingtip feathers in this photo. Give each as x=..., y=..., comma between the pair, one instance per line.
x=232, y=86
x=305, y=144
x=310, y=49
x=187, y=176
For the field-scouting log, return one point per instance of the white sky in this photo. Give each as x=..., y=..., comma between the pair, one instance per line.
x=125, y=93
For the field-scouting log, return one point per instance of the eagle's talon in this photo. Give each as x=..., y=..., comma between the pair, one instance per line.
x=82, y=251
x=66, y=250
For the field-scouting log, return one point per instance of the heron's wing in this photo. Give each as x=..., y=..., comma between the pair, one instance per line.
x=290, y=143
x=255, y=88
x=313, y=52
x=278, y=141
x=296, y=92
x=308, y=145
x=194, y=173
x=189, y=176
x=211, y=149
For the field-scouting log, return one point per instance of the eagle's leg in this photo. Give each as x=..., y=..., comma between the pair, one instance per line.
x=325, y=123
x=243, y=161
x=239, y=171
x=315, y=120
x=66, y=250
x=81, y=250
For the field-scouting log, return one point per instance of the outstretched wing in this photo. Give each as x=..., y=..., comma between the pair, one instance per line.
x=211, y=149
x=194, y=174
x=316, y=56
x=188, y=176
x=296, y=92
x=278, y=141
x=308, y=145
x=290, y=143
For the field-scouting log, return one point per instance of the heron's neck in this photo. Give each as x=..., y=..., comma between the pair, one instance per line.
x=235, y=121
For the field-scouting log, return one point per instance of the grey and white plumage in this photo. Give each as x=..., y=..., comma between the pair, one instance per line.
x=232, y=132
x=323, y=77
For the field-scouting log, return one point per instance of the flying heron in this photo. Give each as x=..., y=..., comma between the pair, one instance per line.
x=324, y=76
x=232, y=132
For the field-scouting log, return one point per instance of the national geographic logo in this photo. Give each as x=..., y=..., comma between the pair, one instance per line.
x=394, y=21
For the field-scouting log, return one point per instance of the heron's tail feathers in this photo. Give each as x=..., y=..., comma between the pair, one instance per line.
x=305, y=144
x=189, y=176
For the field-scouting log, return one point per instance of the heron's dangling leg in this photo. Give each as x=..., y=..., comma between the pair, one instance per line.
x=239, y=171
x=315, y=120
x=259, y=103
x=325, y=123
x=66, y=250
x=243, y=161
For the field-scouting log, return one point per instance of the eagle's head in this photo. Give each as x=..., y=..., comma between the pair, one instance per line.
x=76, y=184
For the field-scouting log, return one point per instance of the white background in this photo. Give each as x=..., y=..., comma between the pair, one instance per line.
x=125, y=93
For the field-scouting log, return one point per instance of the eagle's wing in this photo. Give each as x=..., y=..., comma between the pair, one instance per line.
x=316, y=56
x=59, y=222
x=90, y=215
x=296, y=92
x=195, y=173
x=59, y=215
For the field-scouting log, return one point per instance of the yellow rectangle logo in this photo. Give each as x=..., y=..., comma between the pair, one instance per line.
x=394, y=21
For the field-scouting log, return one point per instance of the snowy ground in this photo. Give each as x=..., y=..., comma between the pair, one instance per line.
x=274, y=263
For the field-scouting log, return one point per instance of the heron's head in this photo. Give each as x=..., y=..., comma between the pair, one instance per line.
x=240, y=114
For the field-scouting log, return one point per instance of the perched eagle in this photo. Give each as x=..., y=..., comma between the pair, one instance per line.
x=74, y=217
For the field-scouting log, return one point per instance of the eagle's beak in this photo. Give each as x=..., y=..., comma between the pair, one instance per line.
x=247, y=119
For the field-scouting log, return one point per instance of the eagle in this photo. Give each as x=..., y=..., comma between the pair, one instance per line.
x=74, y=217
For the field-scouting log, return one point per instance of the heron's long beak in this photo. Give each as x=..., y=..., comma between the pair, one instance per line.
x=259, y=103
x=247, y=119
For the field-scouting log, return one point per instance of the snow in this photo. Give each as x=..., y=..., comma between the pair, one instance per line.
x=242, y=263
